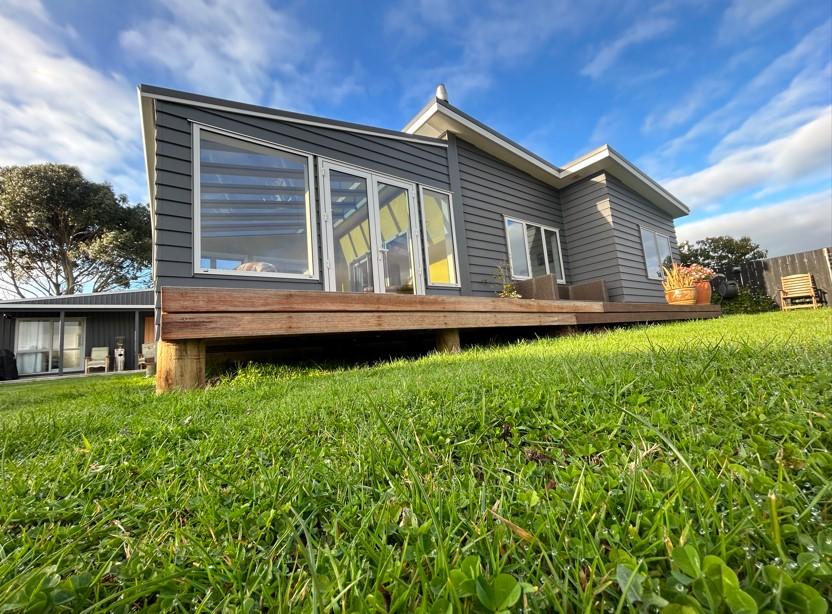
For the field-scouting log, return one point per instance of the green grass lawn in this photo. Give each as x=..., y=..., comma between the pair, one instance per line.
x=681, y=464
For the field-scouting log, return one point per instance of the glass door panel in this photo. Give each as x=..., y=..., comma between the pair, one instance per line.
x=396, y=238
x=351, y=233
x=537, y=252
x=73, y=344
x=33, y=344
x=553, y=253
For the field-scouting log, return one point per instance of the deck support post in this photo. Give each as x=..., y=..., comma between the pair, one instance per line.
x=180, y=365
x=447, y=341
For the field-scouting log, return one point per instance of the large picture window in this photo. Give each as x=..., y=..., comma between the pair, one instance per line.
x=656, y=252
x=254, y=213
x=533, y=250
x=440, y=246
x=38, y=345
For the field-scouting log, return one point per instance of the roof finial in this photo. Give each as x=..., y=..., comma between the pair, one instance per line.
x=441, y=92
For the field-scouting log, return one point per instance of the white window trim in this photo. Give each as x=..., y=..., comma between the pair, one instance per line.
x=372, y=178
x=506, y=220
x=82, y=347
x=656, y=234
x=311, y=212
x=435, y=284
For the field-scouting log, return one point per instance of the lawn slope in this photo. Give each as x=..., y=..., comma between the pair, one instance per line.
x=687, y=463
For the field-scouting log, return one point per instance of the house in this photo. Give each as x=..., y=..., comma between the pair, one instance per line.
x=247, y=199
x=53, y=335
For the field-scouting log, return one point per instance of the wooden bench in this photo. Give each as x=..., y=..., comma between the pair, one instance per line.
x=799, y=287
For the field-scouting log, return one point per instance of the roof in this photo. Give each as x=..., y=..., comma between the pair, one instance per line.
x=118, y=300
x=438, y=117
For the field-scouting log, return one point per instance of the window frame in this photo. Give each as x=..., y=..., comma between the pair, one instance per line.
x=655, y=234
x=55, y=322
x=311, y=209
x=542, y=227
x=428, y=282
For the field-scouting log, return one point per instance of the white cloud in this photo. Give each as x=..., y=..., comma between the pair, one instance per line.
x=795, y=225
x=810, y=53
x=54, y=107
x=681, y=111
x=744, y=17
x=803, y=99
x=644, y=30
x=240, y=49
x=485, y=37
x=804, y=153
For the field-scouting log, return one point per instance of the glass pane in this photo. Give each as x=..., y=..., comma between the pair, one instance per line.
x=517, y=249
x=665, y=255
x=651, y=254
x=439, y=239
x=72, y=359
x=537, y=257
x=351, y=233
x=396, y=238
x=254, y=208
x=34, y=335
x=553, y=254
x=32, y=362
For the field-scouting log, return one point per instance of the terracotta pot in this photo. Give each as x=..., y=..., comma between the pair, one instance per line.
x=681, y=296
x=703, y=293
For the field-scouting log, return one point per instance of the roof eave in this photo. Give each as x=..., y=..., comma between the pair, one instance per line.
x=441, y=117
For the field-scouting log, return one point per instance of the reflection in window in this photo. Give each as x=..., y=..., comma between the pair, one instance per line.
x=657, y=252
x=517, y=249
x=439, y=238
x=396, y=238
x=351, y=233
x=254, y=208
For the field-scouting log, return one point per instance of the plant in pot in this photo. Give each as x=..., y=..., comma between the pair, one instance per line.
x=678, y=283
x=702, y=277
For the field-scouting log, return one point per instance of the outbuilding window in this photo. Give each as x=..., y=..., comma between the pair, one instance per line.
x=656, y=252
x=533, y=250
x=253, y=208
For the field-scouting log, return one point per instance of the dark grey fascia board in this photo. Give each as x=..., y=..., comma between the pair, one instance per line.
x=160, y=93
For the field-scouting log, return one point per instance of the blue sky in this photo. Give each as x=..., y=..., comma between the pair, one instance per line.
x=728, y=104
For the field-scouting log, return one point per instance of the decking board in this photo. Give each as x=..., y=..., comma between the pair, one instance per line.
x=226, y=313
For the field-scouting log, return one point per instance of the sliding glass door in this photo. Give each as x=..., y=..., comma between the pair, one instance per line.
x=369, y=232
x=38, y=345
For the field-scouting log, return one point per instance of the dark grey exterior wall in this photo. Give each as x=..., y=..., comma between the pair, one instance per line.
x=421, y=163
x=603, y=227
x=102, y=328
x=630, y=212
x=589, y=230
x=491, y=190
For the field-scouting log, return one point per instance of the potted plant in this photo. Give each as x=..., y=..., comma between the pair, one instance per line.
x=702, y=277
x=507, y=288
x=678, y=283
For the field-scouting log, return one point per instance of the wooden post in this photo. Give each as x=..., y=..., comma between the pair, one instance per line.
x=180, y=365
x=448, y=341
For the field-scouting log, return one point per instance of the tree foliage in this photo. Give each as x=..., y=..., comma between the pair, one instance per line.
x=61, y=233
x=721, y=253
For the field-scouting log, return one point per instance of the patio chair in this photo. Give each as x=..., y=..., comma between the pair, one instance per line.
x=148, y=355
x=99, y=358
x=799, y=292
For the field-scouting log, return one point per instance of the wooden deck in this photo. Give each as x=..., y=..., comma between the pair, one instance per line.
x=194, y=317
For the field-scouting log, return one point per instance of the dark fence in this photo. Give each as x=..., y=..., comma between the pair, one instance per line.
x=763, y=276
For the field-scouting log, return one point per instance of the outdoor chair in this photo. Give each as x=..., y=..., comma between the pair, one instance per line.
x=799, y=292
x=99, y=358
x=148, y=355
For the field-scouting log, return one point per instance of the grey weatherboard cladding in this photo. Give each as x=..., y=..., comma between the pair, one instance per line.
x=422, y=163
x=598, y=217
x=491, y=190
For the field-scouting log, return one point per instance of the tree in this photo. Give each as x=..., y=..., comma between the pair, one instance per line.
x=61, y=233
x=721, y=254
